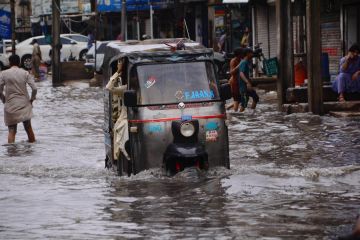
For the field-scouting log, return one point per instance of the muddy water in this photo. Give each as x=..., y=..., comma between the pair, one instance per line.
x=291, y=177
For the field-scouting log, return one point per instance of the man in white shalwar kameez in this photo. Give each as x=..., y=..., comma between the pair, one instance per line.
x=36, y=60
x=121, y=133
x=18, y=103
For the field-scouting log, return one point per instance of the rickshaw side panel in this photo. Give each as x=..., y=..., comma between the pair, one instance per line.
x=107, y=127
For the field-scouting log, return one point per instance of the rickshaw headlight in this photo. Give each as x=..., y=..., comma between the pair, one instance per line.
x=187, y=129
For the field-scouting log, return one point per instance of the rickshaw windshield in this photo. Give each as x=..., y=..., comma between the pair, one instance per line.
x=177, y=82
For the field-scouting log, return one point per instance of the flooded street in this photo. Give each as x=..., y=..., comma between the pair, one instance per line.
x=291, y=177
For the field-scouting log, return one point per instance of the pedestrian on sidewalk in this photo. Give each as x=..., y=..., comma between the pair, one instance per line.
x=223, y=43
x=17, y=103
x=245, y=38
x=348, y=80
x=91, y=39
x=234, y=76
x=36, y=60
x=245, y=85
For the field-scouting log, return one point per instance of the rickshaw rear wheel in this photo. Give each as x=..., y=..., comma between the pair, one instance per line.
x=119, y=166
x=123, y=166
x=107, y=162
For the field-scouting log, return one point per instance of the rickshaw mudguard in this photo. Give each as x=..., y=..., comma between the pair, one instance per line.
x=177, y=157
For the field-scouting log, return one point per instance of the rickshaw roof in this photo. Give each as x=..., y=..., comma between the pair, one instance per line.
x=153, y=50
x=151, y=45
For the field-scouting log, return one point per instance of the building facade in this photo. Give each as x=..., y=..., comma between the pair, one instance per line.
x=22, y=18
x=168, y=19
x=340, y=29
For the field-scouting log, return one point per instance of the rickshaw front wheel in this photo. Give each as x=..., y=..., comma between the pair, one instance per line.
x=176, y=165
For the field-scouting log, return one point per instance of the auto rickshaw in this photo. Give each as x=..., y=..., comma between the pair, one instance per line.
x=174, y=107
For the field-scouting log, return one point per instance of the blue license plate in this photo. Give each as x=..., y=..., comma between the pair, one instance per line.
x=186, y=118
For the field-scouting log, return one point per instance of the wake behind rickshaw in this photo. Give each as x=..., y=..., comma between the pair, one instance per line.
x=169, y=110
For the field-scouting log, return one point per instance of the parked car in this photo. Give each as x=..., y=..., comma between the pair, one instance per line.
x=75, y=37
x=4, y=58
x=100, y=53
x=70, y=49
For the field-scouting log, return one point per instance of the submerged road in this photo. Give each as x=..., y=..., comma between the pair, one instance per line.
x=291, y=177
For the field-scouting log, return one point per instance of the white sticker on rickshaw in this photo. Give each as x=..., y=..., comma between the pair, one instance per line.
x=212, y=136
x=150, y=82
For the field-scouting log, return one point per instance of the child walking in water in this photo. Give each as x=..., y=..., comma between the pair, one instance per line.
x=245, y=86
x=234, y=72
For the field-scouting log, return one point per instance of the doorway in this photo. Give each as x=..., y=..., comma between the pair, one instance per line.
x=352, y=25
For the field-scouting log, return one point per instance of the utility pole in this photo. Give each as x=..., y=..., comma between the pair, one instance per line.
x=123, y=20
x=13, y=34
x=56, y=44
x=151, y=21
x=285, y=49
x=315, y=86
x=95, y=34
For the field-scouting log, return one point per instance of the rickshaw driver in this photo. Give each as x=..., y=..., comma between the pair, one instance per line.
x=121, y=134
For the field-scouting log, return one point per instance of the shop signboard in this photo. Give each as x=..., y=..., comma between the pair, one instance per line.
x=69, y=6
x=109, y=5
x=5, y=24
x=235, y=1
x=43, y=7
x=131, y=5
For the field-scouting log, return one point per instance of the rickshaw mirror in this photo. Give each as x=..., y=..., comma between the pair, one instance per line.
x=130, y=98
x=225, y=91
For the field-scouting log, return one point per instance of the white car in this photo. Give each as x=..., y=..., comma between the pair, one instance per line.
x=75, y=37
x=5, y=48
x=71, y=49
x=100, y=53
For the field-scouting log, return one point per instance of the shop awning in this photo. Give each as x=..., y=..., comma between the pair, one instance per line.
x=235, y=1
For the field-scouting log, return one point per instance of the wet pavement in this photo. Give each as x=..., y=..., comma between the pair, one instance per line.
x=291, y=177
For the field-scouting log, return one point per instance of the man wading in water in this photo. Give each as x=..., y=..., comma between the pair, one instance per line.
x=36, y=60
x=18, y=104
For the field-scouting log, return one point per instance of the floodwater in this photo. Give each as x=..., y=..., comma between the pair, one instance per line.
x=291, y=177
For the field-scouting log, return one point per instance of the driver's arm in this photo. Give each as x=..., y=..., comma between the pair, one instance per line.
x=111, y=85
x=113, y=80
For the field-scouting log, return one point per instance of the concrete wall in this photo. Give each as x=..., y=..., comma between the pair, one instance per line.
x=74, y=71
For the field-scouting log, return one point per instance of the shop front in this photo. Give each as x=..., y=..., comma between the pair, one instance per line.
x=231, y=18
x=157, y=18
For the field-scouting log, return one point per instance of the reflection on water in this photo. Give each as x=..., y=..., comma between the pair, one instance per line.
x=291, y=177
x=18, y=150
